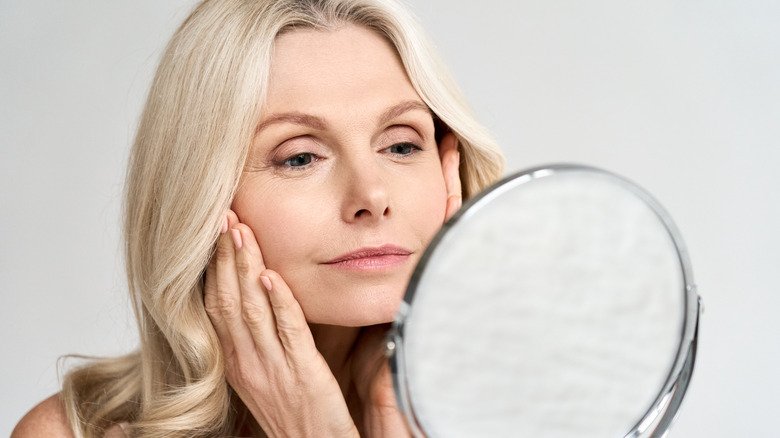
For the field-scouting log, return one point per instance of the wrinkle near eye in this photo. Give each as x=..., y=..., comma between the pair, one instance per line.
x=255, y=164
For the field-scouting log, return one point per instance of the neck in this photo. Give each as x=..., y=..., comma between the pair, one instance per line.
x=335, y=343
x=354, y=356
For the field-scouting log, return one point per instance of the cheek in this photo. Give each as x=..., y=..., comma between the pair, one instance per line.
x=430, y=205
x=284, y=224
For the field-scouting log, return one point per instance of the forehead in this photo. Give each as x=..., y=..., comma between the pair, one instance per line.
x=330, y=46
x=349, y=65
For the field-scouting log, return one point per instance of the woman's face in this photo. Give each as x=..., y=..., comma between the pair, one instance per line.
x=343, y=186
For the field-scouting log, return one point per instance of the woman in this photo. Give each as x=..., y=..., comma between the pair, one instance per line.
x=293, y=160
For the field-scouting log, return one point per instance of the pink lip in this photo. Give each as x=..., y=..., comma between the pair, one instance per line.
x=372, y=259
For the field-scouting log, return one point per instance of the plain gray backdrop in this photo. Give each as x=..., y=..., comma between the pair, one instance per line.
x=682, y=97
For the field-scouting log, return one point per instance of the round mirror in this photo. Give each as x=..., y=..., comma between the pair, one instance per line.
x=557, y=303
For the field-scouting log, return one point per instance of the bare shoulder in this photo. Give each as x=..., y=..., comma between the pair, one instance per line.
x=47, y=419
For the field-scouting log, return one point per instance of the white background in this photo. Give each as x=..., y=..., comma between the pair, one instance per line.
x=682, y=97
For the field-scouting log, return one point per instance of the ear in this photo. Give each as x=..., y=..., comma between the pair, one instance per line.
x=450, y=167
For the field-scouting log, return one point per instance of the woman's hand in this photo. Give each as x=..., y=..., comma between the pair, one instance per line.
x=271, y=360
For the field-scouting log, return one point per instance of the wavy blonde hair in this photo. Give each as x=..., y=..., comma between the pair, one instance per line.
x=192, y=141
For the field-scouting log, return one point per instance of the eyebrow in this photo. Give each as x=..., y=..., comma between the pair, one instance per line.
x=401, y=108
x=318, y=123
x=295, y=118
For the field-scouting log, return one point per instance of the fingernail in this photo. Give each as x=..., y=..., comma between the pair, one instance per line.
x=237, y=238
x=224, y=225
x=266, y=283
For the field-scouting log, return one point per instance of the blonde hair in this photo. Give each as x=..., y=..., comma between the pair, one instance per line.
x=188, y=155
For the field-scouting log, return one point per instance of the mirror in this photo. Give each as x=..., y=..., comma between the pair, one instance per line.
x=557, y=303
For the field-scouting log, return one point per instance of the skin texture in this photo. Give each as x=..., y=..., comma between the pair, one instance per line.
x=345, y=159
x=46, y=419
x=341, y=101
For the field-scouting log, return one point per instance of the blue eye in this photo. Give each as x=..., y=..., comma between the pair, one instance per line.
x=403, y=148
x=299, y=160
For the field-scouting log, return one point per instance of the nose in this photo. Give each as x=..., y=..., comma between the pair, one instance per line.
x=366, y=196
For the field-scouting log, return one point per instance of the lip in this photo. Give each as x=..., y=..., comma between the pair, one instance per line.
x=380, y=258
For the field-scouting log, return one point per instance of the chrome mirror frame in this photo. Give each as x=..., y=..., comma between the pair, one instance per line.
x=657, y=419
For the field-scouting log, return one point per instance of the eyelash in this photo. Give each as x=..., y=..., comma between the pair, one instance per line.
x=309, y=157
x=411, y=146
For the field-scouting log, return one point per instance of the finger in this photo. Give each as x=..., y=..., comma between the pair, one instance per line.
x=211, y=299
x=291, y=325
x=450, y=166
x=255, y=305
x=228, y=294
x=212, y=305
x=231, y=219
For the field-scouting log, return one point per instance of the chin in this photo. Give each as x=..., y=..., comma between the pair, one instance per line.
x=364, y=310
x=354, y=322
x=363, y=318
